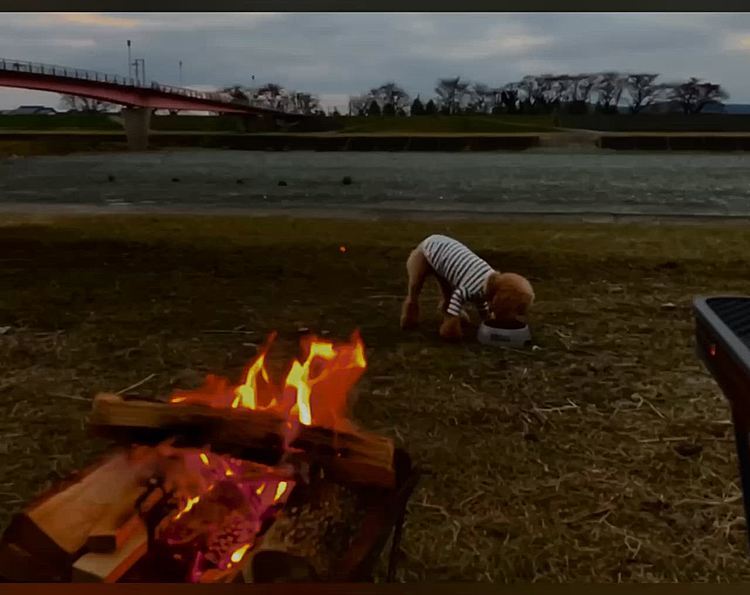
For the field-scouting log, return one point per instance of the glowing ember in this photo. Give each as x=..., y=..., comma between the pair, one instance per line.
x=216, y=527
x=280, y=489
x=239, y=552
x=188, y=506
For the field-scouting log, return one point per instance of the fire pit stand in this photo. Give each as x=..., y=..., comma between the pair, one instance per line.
x=259, y=482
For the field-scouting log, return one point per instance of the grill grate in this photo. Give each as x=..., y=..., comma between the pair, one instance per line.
x=735, y=313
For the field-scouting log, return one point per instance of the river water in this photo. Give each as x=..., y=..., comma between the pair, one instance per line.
x=469, y=183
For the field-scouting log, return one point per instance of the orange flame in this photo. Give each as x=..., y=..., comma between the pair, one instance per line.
x=314, y=391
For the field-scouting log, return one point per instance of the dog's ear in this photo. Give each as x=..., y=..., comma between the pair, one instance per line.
x=494, y=282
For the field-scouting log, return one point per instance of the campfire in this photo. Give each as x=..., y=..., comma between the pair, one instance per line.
x=268, y=480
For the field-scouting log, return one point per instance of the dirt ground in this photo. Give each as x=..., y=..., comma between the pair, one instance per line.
x=605, y=454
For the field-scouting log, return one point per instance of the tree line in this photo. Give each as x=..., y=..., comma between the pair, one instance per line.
x=276, y=97
x=604, y=92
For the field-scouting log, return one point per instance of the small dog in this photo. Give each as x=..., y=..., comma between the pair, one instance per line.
x=463, y=278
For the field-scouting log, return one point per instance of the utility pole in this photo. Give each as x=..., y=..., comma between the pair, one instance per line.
x=142, y=63
x=130, y=62
x=180, y=73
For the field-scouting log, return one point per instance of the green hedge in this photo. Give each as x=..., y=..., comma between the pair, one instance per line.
x=658, y=122
x=59, y=122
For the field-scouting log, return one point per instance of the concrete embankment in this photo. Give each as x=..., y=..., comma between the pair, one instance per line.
x=675, y=142
x=37, y=143
x=24, y=143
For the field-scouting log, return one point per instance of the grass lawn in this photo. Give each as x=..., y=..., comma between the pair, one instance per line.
x=604, y=455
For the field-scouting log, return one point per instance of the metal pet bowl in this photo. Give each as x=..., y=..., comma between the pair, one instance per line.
x=503, y=337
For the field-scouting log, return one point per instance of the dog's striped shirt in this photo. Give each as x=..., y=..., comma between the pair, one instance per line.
x=463, y=269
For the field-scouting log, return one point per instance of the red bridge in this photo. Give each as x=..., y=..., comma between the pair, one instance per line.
x=139, y=99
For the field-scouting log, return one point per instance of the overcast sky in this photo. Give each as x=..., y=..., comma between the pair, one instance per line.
x=338, y=54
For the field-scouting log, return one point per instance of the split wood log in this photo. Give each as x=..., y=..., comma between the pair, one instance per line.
x=108, y=568
x=54, y=529
x=352, y=457
x=121, y=521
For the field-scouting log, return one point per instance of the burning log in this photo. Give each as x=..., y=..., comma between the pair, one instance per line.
x=355, y=456
x=310, y=537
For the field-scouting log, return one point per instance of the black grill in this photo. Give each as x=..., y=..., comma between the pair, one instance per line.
x=722, y=331
x=734, y=312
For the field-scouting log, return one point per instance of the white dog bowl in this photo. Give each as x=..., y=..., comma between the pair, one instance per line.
x=503, y=337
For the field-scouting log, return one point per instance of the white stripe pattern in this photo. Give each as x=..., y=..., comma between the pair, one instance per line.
x=464, y=270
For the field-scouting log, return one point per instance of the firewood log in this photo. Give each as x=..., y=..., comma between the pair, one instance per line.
x=121, y=521
x=353, y=457
x=108, y=568
x=54, y=529
x=307, y=540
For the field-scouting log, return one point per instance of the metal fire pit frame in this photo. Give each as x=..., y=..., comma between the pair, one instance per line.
x=377, y=526
x=722, y=332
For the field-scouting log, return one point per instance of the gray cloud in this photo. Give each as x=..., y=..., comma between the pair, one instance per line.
x=344, y=53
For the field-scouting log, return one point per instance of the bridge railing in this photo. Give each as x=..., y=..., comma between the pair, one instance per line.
x=192, y=93
x=11, y=65
x=67, y=71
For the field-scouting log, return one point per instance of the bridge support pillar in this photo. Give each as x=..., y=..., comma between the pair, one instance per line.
x=137, y=121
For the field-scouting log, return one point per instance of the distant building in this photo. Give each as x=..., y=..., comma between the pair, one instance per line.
x=737, y=108
x=675, y=107
x=31, y=110
x=663, y=107
x=715, y=108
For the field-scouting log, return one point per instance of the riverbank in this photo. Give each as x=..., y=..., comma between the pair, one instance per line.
x=486, y=184
x=604, y=455
x=27, y=143
x=13, y=213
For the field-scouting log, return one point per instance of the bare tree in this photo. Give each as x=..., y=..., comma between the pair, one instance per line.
x=482, y=98
x=693, y=95
x=609, y=88
x=451, y=93
x=84, y=104
x=304, y=103
x=271, y=95
x=238, y=93
x=509, y=97
x=581, y=87
x=390, y=93
x=642, y=90
x=358, y=105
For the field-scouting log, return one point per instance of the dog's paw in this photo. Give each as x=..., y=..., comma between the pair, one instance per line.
x=450, y=330
x=409, y=315
x=443, y=308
